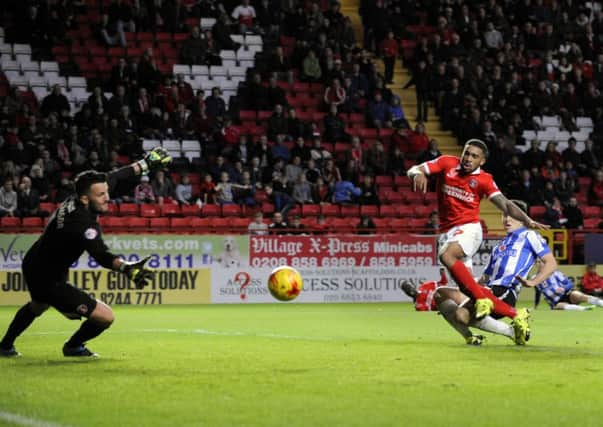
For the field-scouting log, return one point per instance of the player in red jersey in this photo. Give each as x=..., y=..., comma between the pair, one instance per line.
x=461, y=184
x=423, y=296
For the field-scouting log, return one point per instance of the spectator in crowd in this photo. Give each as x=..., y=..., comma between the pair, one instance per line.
x=28, y=199
x=592, y=283
x=369, y=194
x=376, y=159
x=554, y=215
x=296, y=226
x=334, y=126
x=366, y=225
x=573, y=213
x=595, y=191
x=55, y=102
x=257, y=226
x=214, y=104
x=302, y=191
x=8, y=199
x=277, y=124
x=334, y=94
x=207, y=190
x=193, y=48
x=184, y=191
x=432, y=226
x=311, y=70
x=162, y=188
x=430, y=153
x=143, y=193
x=321, y=193
x=278, y=224
x=282, y=201
x=245, y=15
x=388, y=49
x=345, y=192
x=421, y=80
x=111, y=31
x=378, y=111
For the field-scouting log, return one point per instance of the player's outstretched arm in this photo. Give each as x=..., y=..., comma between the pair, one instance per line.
x=546, y=266
x=507, y=207
x=157, y=158
x=418, y=176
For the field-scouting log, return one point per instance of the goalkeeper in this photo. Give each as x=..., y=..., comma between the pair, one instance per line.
x=73, y=229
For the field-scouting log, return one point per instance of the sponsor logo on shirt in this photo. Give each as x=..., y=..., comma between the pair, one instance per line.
x=458, y=193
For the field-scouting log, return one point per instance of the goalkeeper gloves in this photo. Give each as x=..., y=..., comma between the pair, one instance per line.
x=137, y=272
x=157, y=158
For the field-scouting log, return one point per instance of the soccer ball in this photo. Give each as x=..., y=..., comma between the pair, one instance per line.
x=285, y=283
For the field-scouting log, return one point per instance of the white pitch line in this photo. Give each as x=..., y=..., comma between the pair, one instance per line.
x=26, y=421
x=201, y=332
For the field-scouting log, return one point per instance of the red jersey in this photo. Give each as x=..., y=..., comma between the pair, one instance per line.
x=425, y=300
x=592, y=282
x=459, y=194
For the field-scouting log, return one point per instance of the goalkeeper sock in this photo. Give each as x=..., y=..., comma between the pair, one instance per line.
x=575, y=307
x=448, y=310
x=594, y=301
x=88, y=330
x=23, y=318
x=489, y=324
x=465, y=280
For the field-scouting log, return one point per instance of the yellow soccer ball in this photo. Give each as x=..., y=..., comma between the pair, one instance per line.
x=285, y=283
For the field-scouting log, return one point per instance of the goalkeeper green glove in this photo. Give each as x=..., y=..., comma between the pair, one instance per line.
x=137, y=272
x=157, y=158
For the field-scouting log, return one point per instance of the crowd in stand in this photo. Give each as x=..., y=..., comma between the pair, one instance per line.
x=488, y=69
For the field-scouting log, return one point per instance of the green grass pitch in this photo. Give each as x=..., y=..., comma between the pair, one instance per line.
x=304, y=365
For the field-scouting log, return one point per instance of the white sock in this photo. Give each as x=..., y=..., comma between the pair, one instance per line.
x=594, y=300
x=448, y=309
x=490, y=324
x=574, y=307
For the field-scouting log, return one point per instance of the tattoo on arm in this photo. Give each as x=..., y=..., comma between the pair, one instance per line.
x=510, y=208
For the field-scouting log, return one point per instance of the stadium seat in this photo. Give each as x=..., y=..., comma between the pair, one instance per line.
x=159, y=224
x=592, y=212
x=406, y=211
x=330, y=210
x=129, y=209
x=10, y=222
x=137, y=223
x=231, y=210
x=211, y=210
x=181, y=224
x=537, y=212
x=592, y=223
x=310, y=210
x=149, y=210
x=369, y=210
x=349, y=211
x=170, y=210
x=388, y=211
x=190, y=210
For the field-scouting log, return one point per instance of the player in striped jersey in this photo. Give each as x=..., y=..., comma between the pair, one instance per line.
x=558, y=291
x=509, y=264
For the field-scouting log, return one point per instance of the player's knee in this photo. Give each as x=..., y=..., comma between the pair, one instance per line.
x=462, y=315
x=37, y=308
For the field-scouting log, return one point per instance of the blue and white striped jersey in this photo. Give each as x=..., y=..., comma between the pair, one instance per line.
x=555, y=287
x=515, y=256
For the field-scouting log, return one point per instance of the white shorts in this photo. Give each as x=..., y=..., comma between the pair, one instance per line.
x=468, y=236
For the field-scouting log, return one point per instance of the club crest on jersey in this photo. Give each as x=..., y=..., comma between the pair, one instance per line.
x=472, y=183
x=82, y=309
x=90, y=233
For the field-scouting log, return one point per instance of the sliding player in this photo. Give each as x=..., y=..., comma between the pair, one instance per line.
x=558, y=291
x=461, y=185
x=509, y=264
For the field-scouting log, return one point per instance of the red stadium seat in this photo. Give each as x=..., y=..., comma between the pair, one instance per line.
x=369, y=210
x=170, y=209
x=591, y=212
x=180, y=224
x=190, y=210
x=129, y=209
x=382, y=180
x=10, y=222
x=592, y=223
x=210, y=210
x=231, y=210
x=137, y=222
x=310, y=210
x=406, y=211
x=388, y=211
x=149, y=210
x=349, y=211
x=159, y=224
x=330, y=210
x=537, y=211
